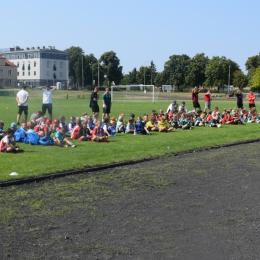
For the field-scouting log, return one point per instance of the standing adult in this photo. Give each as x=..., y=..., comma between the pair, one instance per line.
x=207, y=100
x=251, y=99
x=239, y=96
x=195, y=98
x=47, y=99
x=94, y=101
x=22, y=100
x=107, y=103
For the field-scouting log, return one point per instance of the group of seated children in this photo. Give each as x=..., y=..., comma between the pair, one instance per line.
x=87, y=128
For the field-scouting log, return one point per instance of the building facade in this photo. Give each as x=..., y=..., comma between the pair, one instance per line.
x=39, y=66
x=8, y=73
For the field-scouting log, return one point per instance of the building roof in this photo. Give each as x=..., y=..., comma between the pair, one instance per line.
x=7, y=62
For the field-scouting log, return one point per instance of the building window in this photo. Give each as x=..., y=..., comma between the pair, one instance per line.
x=28, y=73
x=34, y=64
x=17, y=73
x=54, y=75
x=1, y=72
x=34, y=73
x=47, y=73
x=61, y=74
x=61, y=65
x=54, y=67
x=48, y=64
x=9, y=82
x=9, y=72
x=23, y=73
x=17, y=64
x=23, y=67
x=29, y=66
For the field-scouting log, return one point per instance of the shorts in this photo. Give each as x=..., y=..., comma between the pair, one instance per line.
x=240, y=105
x=196, y=104
x=22, y=109
x=207, y=104
x=95, y=108
x=45, y=107
x=251, y=105
x=106, y=110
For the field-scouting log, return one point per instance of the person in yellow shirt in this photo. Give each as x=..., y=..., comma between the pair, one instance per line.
x=164, y=125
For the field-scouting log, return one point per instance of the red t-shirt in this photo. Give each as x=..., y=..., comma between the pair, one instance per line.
x=207, y=97
x=195, y=96
x=249, y=97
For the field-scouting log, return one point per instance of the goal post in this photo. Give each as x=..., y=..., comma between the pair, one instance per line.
x=134, y=92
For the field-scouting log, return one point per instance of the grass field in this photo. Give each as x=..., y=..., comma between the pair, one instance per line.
x=40, y=160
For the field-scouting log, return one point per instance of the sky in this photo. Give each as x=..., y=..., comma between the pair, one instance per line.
x=138, y=31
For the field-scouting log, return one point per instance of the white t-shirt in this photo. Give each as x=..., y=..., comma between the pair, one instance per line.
x=47, y=96
x=22, y=95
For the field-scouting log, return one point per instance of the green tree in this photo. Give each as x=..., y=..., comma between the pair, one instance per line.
x=196, y=71
x=130, y=78
x=239, y=79
x=110, y=64
x=217, y=71
x=255, y=81
x=74, y=54
x=175, y=70
x=252, y=63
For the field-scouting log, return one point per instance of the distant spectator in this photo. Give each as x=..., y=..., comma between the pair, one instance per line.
x=22, y=100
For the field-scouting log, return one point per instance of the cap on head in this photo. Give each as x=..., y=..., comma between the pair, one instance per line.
x=132, y=115
x=13, y=125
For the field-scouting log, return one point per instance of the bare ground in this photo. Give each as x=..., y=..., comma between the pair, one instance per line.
x=201, y=205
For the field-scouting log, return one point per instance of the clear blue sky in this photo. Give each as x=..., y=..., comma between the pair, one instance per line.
x=137, y=30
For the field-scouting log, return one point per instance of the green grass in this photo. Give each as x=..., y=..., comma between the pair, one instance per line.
x=40, y=160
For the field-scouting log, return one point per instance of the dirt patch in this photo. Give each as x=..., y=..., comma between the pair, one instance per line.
x=201, y=205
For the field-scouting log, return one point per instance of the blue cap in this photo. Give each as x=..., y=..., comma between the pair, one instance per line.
x=174, y=101
x=13, y=125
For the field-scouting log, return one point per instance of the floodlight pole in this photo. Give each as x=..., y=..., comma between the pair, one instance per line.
x=228, y=78
x=98, y=73
x=82, y=73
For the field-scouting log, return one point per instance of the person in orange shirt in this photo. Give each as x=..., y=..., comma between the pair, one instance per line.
x=251, y=99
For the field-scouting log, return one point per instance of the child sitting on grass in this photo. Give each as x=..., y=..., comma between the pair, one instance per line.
x=61, y=139
x=84, y=133
x=130, y=128
x=7, y=144
x=164, y=125
x=98, y=134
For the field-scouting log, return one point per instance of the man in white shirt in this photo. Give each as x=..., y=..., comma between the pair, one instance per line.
x=22, y=100
x=47, y=99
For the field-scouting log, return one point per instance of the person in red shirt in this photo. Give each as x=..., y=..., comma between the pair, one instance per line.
x=207, y=100
x=195, y=98
x=251, y=99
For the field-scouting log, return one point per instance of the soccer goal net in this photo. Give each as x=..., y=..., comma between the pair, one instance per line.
x=134, y=92
x=8, y=92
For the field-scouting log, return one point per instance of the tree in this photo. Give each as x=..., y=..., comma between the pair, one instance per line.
x=255, y=81
x=239, y=79
x=252, y=63
x=217, y=71
x=111, y=67
x=130, y=78
x=175, y=70
x=74, y=54
x=196, y=71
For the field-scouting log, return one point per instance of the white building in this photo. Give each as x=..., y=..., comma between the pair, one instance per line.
x=39, y=66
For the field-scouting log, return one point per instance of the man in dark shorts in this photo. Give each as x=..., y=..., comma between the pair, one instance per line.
x=94, y=101
x=239, y=96
x=22, y=98
x=47, y=99
x=195, y=98
x=106, y=100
